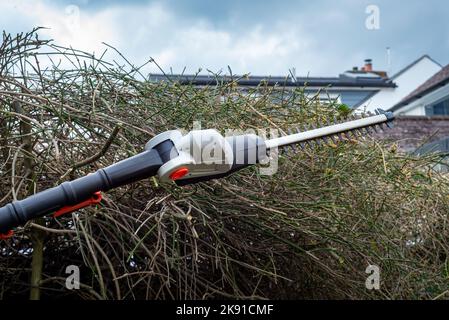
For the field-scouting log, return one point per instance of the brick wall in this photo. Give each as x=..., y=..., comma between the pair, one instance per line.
x=411, y=131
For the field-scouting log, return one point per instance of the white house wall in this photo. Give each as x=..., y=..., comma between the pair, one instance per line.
x=418, y=107
x=419, y=110
x=406, y=82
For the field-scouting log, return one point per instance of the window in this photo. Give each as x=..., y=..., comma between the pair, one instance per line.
x=438, y=109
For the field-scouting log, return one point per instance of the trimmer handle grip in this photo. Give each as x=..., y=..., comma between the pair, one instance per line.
x=68, y=193
x=141, y=166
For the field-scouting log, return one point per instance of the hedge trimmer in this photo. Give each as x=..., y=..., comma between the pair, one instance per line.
x=199, y=155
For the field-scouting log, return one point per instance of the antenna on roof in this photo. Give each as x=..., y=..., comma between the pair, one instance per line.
x=388, y=60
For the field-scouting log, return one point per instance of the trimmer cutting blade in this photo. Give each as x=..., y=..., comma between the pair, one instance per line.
x=334, y=131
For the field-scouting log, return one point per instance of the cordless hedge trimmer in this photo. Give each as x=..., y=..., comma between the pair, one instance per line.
x=199, y=155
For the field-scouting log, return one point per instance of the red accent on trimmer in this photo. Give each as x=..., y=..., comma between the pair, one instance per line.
x=178, y=174
x=6, y=236
x=95, y=199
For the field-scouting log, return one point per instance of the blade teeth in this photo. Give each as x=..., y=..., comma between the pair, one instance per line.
x=341, y=137
x=351, y=135
x=368, y=130
x=360, y=132
x=317, y=141
x=287, y=150
x=292, y=146
x=347, y=135
x=309, y=144
x=380, y=111
x=336, y=120
x=301, y=144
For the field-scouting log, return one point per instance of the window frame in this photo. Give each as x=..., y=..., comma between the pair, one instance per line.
x=429, y=109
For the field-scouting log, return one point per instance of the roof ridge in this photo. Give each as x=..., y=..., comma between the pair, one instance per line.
x=299, y=81
x=397, y=74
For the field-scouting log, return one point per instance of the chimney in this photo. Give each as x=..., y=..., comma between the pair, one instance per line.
x=368, y=65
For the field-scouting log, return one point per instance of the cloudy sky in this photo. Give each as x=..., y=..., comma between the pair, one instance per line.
x=319, y=38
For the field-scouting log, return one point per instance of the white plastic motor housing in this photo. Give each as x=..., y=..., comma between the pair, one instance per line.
x=202, y=152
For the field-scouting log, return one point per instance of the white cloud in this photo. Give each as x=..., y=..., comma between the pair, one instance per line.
x=177, y=40
x=256, y=50
x=71, y=26
x=68, y=26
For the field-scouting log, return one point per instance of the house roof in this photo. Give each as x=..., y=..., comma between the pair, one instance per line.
x=400, y=72
x=343, y=80
x=438, y=80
